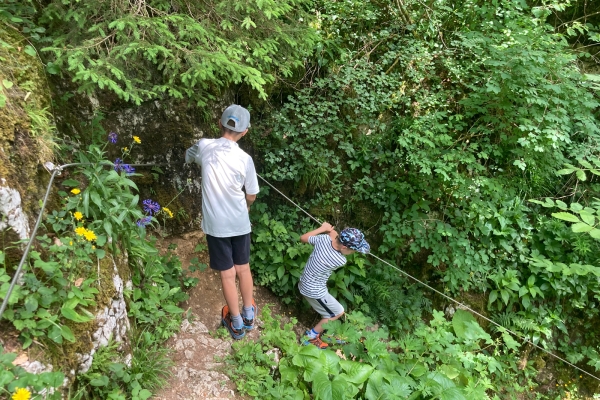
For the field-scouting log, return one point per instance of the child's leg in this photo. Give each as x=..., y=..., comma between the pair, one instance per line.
x=329, y=308
x=319, y=327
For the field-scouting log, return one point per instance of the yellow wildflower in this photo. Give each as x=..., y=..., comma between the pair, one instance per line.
x=125, y=149
x=80, y=230
x=75, y=191
x=137, y=139
x=77, y=215
x=93, y=247
x=71, y=243
x=21, y=394
x=89, y=235
x=168, y=212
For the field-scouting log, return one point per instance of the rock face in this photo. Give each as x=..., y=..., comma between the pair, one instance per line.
x=25, y=141
x=166, y=129
x=10, y=207
x=112, y=324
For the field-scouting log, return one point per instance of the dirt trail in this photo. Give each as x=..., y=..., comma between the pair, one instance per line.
x=197, y=373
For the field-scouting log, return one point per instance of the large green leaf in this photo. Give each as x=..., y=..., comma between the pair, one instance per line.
x=581, y=227
x=324, y=389
x=459, y=321
x=71, y=314
x=565, y=216
x=356, y=372
x=331, y=362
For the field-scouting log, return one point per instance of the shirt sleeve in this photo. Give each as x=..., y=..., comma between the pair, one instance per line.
x=315, y=239
x=191, y=154
x=251, y=183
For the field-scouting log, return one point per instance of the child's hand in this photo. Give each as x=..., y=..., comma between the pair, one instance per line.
x=326, y=227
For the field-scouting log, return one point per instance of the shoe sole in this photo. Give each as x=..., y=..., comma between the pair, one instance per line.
x=307, y=343
x=224, y=313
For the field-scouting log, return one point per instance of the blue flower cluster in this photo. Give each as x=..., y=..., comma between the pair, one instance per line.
x=120, y=166
x=144, y=221
x=150, y=207
x=112, y=137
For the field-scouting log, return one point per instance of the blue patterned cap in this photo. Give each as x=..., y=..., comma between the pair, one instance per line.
x=355, y=240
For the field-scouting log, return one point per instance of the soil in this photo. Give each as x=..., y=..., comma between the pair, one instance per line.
x=198, y=350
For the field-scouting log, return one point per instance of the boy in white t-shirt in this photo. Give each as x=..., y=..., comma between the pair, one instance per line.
x=229, y=187
x=328, y=255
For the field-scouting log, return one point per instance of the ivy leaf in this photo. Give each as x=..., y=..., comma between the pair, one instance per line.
x=170, y=308
x=71, y=314
x=565, y=216
x=493, y=297
x=587, y=217
x=581, y=227
x=102, y=381
x=459, y=322
x=30, y=50
x=31, y=304
x=565, y=171
x=71, y=183
x=67, y=333
x=55, y=334
x=510, y=342
x=52, y=68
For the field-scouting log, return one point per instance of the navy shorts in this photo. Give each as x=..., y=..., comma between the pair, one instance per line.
x=224, y=252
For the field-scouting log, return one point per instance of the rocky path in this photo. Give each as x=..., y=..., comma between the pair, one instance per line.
x=197, y=350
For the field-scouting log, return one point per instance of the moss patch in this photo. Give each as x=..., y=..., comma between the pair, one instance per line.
x=25, y=127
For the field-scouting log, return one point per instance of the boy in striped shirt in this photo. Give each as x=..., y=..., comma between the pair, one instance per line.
x=328, y=255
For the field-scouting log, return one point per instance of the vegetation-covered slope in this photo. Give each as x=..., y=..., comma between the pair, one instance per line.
x=461, y=136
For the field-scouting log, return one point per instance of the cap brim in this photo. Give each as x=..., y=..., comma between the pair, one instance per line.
x=363, y=247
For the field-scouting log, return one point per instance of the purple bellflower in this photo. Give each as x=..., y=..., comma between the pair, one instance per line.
x=112, y=137
x=144, y=221
x=151, y=207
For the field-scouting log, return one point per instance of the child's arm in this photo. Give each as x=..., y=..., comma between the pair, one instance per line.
x=326, y=227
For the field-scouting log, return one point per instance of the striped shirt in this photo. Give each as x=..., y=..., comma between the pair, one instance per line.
x=321, y=263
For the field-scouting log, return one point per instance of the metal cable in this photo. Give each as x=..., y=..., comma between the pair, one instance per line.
x=462, y=306
x=56, y=170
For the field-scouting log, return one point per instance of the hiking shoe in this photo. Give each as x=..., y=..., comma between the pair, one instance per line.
x=333, y=340
x=249, y=323
x=226, y=321
x=316, y=341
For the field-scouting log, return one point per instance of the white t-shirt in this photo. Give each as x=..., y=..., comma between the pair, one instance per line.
x=226, y=169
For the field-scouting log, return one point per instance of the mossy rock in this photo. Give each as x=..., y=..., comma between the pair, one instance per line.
x=26, y=126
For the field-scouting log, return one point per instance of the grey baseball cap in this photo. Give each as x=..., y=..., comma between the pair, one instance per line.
x=236, y=118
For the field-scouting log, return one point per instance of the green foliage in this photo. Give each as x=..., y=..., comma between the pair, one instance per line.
x=177, y=49
x=429, y=127
x=110, y=378
x=21, y=13
x=157, y=289
x=60, y=286
x=389, y=297
x=13, y=377
x=278, y=257
x=54, y=291
x=447, y=359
